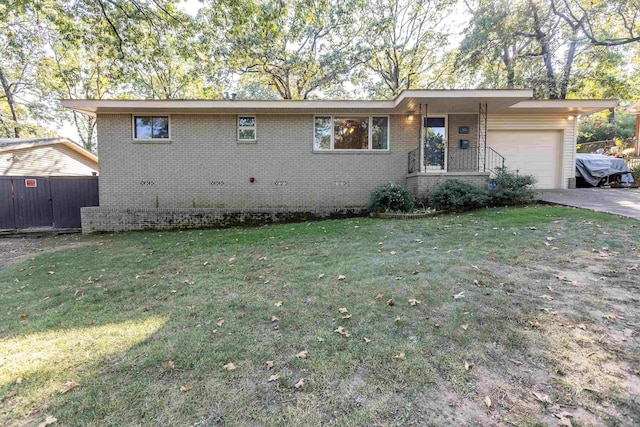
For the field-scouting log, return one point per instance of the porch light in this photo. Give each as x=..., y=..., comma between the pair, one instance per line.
x=410, y=118
x=570, y=118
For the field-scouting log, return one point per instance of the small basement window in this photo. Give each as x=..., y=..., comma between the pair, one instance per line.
x=246, y=128
x=151, y=127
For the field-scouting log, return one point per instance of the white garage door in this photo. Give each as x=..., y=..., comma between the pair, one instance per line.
x=534, y=153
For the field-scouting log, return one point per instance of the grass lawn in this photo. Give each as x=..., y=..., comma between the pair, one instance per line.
x=523, y=316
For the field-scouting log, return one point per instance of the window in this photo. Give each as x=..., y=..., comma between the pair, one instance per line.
x=246, y=128
x=151, y=127
x=351, y=133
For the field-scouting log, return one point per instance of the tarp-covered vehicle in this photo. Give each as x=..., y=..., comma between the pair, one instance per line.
x=598, y=169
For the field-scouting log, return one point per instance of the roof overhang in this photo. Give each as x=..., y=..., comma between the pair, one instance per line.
x=408, y=102
x=51, y=141
x=575, y=107
x=634, y=108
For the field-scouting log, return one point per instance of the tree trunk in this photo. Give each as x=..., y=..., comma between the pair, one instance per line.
x=11, y=102
x=612, y=123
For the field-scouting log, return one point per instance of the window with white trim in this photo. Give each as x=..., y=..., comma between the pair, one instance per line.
x=370, y=133
x=246, y=128
x=151, y=127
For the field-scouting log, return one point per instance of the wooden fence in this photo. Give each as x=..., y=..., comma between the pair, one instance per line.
x=36, y=201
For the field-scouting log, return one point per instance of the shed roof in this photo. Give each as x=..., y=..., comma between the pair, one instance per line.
x=11, y=144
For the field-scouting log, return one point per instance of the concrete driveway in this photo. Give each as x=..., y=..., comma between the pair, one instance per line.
x=618, y=201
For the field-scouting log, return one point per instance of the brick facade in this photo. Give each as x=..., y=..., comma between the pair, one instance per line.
x=203, y=176
x=99, y=219
x=205, y=167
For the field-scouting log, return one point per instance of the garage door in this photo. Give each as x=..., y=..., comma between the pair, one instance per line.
x=534, y=153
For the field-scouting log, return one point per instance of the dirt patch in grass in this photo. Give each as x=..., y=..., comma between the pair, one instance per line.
x=496, y=317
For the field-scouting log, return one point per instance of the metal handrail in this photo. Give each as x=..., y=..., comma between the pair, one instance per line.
x=414, y=161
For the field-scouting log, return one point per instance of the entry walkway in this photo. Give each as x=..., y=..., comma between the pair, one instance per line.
x=618, y=201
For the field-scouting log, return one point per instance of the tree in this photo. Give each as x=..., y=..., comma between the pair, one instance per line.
x=407, y=39
x=602, y=22
x=298, y=47
x=536, y=46
x=22, y=47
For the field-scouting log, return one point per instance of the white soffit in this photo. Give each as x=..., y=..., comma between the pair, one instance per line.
x=408, y=102
x=561, y=106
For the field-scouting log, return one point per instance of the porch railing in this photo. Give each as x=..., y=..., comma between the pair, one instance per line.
x=472, y=159
x=493, y=160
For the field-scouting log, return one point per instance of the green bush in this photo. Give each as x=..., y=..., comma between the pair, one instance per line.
x=390, y=197
x=511, y=188
x=457, y=195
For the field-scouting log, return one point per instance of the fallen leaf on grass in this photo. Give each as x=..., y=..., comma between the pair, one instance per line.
x=300, y=383
x=170, y=365
x=220, y=321
x=185, y=388
x=269, y=364
x=273, y=378
x=459, y=295
x=487, y=401
x=390, y=302
x=468, y=366
x=320, y=276
x=400, y=356
x=275, y=319
x=392, y=253
x=366, y=340
x=8, y=395
x=632, y=268
x=278, y=304
x=414, y=302
x=230, y=366
x=343, y=310
x=550, y=239
x=465, y=326
x=342, y=331
x=24, y=316
x=341, y=277
x=19, y=380
x=379, y=296
x=544, y=398
x=565, y=422
x=347, y=316
x=547, y=297
x=51, y=272
x=68, y=386
x=302, y=354
x=47, y=421
x=560, y=277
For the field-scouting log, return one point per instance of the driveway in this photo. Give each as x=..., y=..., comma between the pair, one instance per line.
x=618, y=201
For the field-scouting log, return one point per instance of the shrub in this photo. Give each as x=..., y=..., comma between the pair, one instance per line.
x=390, y=197
x=457, y=195
x=510, y=188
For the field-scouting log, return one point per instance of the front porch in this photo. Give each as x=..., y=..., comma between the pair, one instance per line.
x=451, y=145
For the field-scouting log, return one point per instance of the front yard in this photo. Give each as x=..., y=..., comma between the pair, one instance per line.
x=524, y=316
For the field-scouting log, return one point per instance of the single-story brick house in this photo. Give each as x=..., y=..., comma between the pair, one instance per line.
x=45, y=157
x=170, y=162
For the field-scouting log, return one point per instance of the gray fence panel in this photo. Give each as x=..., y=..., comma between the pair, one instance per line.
x=7, y=214
x=69, y=194
x=32, y=204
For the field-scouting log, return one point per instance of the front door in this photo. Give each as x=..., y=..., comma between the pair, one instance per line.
x=435, y=143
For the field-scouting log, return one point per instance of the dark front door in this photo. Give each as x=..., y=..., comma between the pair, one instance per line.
x=32, y=202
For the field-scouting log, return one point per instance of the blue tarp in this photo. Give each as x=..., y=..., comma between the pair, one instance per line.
x=594, y=167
